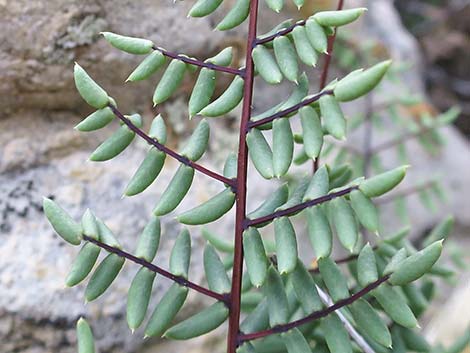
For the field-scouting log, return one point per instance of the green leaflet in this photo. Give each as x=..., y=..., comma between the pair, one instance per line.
x=338, y=18
x=204, y=7
x=394, y=305
x=295, y=341
x=274, y=200
x=283, y=25
x=299, y=3
x=298, y=94
x=414, y=341
x=336, y=335
x=354, y=86
x=175, y=191
x=275, y=5
x=260, y=153
x=417, y=264
x=130, y=45
x=147, y=172
x=276, y=298
x=63, y=224
x=395, y=261
x=197, y=143
x=296, y=197
x=166, y=310
x=96, y=120
x=333, y=118
x=216, y=241
x=230, y=166
x=215, y=272
x=440, y=231
x=227, y=101
x=113, y=145
x=138, y=297
x=255, y=256
x=316, y=35
x=236, y=16
x=382, y=183
x=85, y=340
x=106, y=235
x=305, y=290
x=256, y=320
x=366, y=267
x=90, y=91
x=170, y=81
x=83, y=264
x=370, y=322
x=158, y=129
x=89, y=226
x=202, y=92
x=416, y=299
x=209, y=211
x=318, y=186
x=312, y=131
x=103, y=276
x=334, y=280
x=304, y=48
x=149, y=240
x=181, y=254
x=365, y=211
x=286, y=245
x=224, y=58
x=345, y=223
x=319, y=232
x=266, y=65
x=147, y=67
x=199, y=324
x=286, y=58
x=246, y=347
x=283, y=146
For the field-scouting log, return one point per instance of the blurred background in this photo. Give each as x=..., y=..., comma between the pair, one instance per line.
x=42, y=155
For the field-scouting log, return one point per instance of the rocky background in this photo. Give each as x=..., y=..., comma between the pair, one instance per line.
x=40, y=154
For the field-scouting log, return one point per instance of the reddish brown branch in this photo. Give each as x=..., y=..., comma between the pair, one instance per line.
x=297, y=208
x=178, y=279
x=315, y=315
x=282, y=32
x=200, y=63
x=237, y=274
x=289, y=110
x=170, y=152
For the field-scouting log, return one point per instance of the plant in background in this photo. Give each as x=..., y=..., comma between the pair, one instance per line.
x=272, y=300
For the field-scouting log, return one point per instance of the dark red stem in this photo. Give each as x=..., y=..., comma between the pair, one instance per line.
x=297, y=208
x=235, y=295
x=315, y=315
x=170, y=152
x=289, y=110
x=199, y=63
x=178, y=279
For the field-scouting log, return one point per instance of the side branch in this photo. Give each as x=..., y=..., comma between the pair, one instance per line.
x=282, y=32
x=200, y=63
x=178, y=279
x=170, y=152
x=288, y=111
x=297, y=208
x=315, y=315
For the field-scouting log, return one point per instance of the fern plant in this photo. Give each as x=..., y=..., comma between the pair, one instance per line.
x=272, y=300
